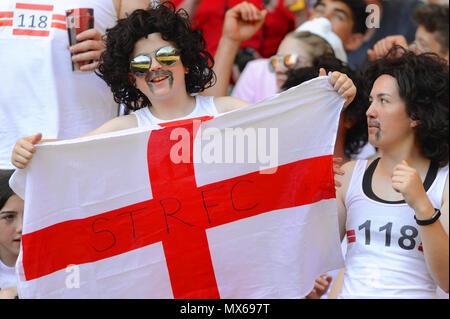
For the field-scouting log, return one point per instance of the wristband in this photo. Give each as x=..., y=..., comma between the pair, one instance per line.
x=429, y=221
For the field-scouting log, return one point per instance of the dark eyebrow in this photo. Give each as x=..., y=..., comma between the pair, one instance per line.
x=319, y=4
x=5, y=212
x=379, y=95
x=341, y=11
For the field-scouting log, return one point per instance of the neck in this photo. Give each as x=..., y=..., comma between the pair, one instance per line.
x=409, y=152
x=173, y=107
x=7, y=257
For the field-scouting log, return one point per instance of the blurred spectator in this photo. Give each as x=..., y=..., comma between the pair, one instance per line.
x=209, y=16
x=39, y=91
x=388, y=17
x=343, y=29
x=348, y=18
x=264, y=77
x=11, y=213
x=432, y=33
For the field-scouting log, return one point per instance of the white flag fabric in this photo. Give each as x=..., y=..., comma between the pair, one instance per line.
x=238, y=206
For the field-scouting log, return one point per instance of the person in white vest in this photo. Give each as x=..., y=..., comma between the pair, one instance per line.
x=11, y=213
x=394, y=210
x=39, y=91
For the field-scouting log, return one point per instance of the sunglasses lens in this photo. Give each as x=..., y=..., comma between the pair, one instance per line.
x=290, y=60
x=168, y=60
x=168, y=55
x=273, y=63
x=140, y=65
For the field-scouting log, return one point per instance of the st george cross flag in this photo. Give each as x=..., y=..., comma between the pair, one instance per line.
x=238, y=206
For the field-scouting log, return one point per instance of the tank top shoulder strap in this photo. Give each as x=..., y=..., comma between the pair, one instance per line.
x=143, y=116
x=205, y=105
x=436, y=190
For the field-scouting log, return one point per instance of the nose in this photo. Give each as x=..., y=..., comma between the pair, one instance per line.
x=19, y=225
x=280, y=69
x=370, y=113
x=18, y=222
x=156, y=65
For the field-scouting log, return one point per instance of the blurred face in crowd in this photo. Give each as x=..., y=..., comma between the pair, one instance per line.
x=426, y=42
x=341, y=17
x=11, y=230
x=292, y=53
x=388, y=122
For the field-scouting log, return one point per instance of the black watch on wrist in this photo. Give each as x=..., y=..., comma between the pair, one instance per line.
x=429, y=221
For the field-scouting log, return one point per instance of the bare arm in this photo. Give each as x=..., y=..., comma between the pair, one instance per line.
x=241, y=23
x=124, y=7
x=337, y=285
x=25, y=147
x=435, y=240
x=382, y=47
x=341, y=192
x=190, y=6
x=228, y=103
x=8, y=293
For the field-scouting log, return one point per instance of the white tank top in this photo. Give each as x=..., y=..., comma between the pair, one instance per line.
x=384, y=253
x=8, y=276
x=204, y=106
x=38, y=91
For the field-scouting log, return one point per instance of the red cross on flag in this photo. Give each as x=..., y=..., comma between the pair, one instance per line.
x=238, y=206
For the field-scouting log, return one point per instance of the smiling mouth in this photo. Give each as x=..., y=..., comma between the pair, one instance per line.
x=159, y=78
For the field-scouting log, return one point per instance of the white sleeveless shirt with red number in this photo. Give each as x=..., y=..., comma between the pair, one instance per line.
x=38, y=91
x=385, y=256
x=204, y=106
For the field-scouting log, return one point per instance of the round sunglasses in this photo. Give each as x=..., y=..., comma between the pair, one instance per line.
x=283, y=61
x=141, y=64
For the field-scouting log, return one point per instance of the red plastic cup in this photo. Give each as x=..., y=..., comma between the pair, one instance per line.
x=78, y=20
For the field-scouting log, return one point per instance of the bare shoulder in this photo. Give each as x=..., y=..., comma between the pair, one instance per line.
x=116, y=124
x=345, y=179
x=229, y=103
x=446, y=189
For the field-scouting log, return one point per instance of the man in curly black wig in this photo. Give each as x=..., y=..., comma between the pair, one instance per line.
x=138, y=34
x=404, y=193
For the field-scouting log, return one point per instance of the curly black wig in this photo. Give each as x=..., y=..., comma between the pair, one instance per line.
x=174, y=26
x=356, y=136
x=423, y=85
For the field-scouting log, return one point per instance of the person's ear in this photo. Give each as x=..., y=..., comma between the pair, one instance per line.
x=446, y=56
x=414, y=123
x=131, y=79
x=354, y=41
